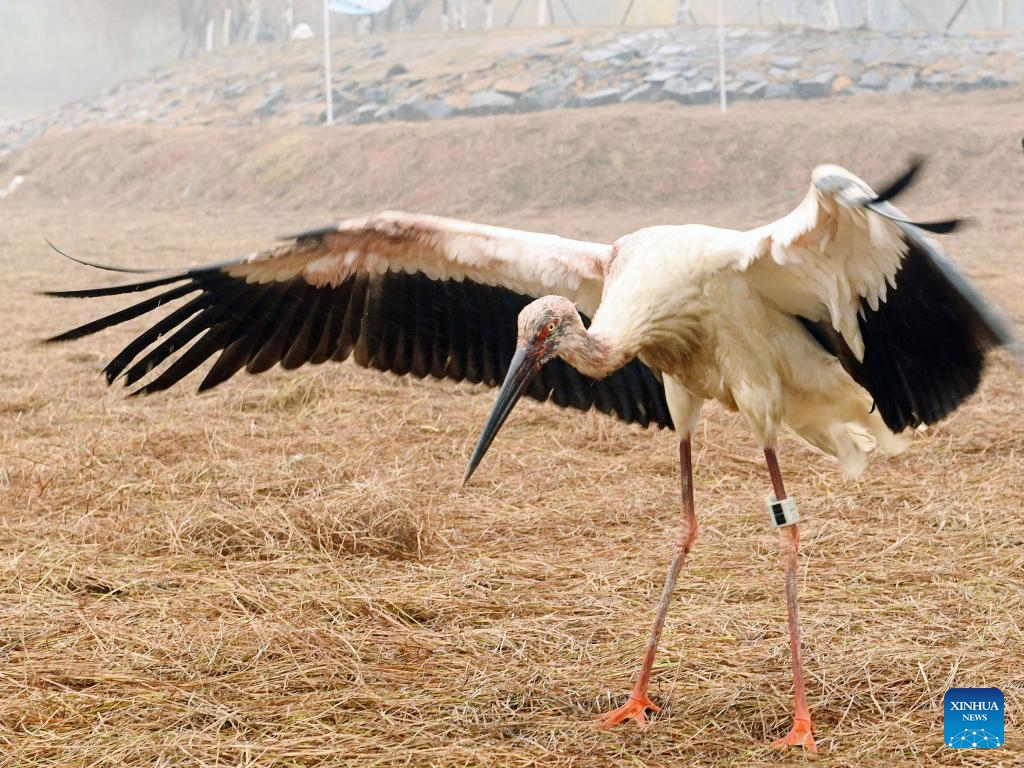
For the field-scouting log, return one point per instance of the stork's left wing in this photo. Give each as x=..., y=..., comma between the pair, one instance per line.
x=875, y=291
x=399, y=292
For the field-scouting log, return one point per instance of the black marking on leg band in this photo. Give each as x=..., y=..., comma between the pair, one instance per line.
x=782, y=512
x=778, y=514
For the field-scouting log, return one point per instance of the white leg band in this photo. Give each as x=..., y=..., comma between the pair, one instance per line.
x=782, y=513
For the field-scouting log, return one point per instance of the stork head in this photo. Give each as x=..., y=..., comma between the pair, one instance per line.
x=548, y=327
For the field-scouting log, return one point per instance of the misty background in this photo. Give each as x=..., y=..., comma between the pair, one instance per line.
x=53, y=51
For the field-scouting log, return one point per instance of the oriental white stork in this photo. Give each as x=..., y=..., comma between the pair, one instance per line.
x=841, y=320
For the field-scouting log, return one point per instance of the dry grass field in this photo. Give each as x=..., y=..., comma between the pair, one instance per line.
x=286, y=571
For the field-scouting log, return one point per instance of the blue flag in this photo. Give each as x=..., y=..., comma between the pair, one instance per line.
x=358, y=7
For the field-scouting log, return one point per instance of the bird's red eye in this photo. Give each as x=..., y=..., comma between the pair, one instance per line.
x=551, y=327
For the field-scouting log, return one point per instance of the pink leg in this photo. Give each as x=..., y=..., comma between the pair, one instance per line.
x=802, y=733
x=638, y=702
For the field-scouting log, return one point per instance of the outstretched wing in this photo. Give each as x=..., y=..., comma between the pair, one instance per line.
x=875, y=291
x=398, y=292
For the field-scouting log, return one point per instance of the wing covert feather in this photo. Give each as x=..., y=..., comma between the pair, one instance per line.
x=530, y=263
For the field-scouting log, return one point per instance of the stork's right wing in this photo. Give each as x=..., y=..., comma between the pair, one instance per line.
x=399, y=292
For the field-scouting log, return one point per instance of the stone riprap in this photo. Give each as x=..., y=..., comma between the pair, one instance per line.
x=415, y=78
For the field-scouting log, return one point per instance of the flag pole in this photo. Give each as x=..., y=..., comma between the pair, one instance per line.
x=327, y=64
x=721, y=57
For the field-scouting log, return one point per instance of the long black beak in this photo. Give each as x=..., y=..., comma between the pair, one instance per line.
x=524, y=367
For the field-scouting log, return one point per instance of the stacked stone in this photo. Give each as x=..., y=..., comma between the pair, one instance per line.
x=284, y=85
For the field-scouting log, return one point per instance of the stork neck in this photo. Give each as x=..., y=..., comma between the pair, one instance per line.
x=595, y=356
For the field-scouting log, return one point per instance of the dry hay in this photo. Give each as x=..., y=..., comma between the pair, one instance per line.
x=286, y=571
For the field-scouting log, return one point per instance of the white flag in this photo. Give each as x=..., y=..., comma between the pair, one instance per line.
x=358, y=7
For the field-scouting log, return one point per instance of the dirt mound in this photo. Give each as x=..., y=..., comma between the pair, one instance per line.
x=675, y=162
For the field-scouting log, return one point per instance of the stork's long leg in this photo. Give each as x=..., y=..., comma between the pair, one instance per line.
x=802, y=732
x=638, y=702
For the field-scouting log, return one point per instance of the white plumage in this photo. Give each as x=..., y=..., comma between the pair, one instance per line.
x=723, y=327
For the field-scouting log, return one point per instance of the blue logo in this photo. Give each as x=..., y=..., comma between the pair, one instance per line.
x=973, y=718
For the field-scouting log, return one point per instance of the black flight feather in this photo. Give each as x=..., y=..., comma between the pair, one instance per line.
x=402, y=322
x=924, y=346
x=123, y=315
x=898, y=185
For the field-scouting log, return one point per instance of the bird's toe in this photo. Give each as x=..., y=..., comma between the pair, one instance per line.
x=800, y=735
x=635, y=708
